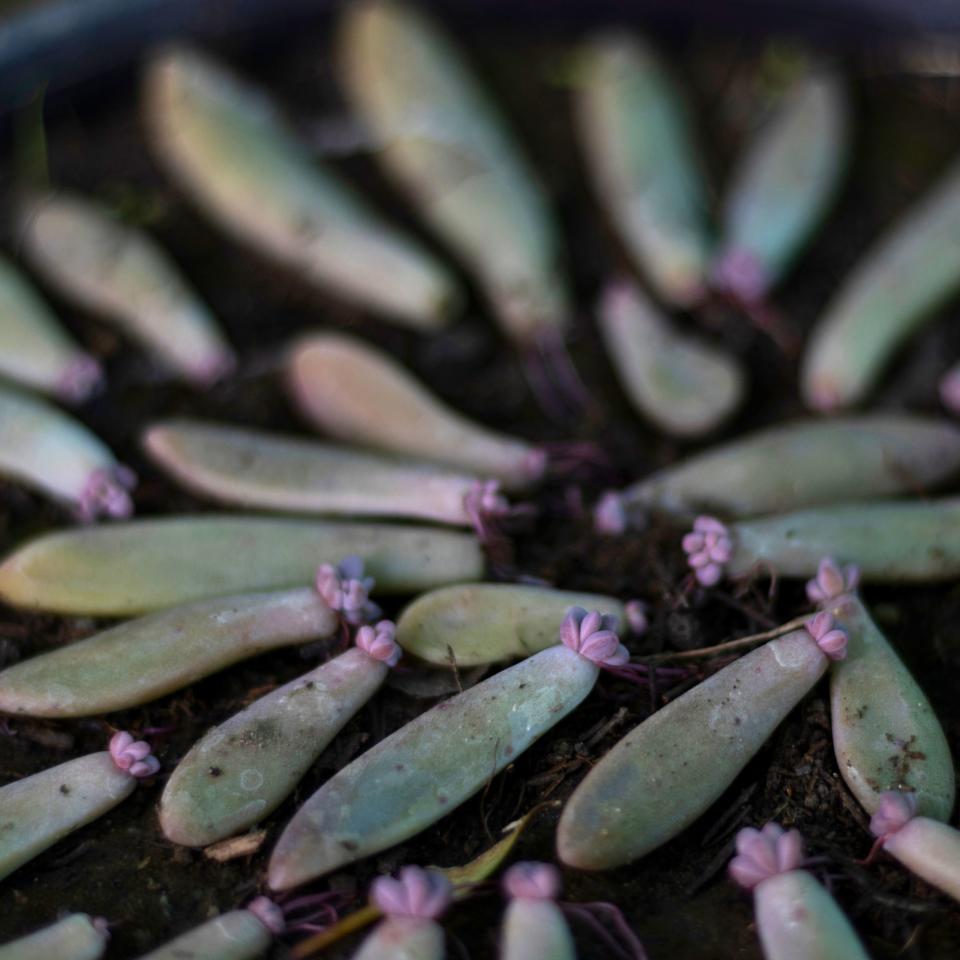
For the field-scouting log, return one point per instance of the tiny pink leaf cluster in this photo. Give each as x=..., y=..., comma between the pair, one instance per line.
x=485, y=499
x=831, y=639
x=81, y=378
x=418, y=893
x=380, y=642
x=831, y=582
x=762, y=854
x=709, y=547
x=269, y=914
x=107, y=492
x=593, y=635
x=609, y=515
x=894, y=811
x=949, y=389
x=528, y=880
x=741, y=273
x=133, y=756
x=345, y=589
x=637, y=617
x=484, y=502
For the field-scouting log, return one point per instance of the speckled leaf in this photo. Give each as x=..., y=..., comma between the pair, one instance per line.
x=39, y=810
x=430, y=766
x=244, y=768
x=885, y=733
x=143, y=659
x=665, y=773
x=485, y=622
x=128, y=568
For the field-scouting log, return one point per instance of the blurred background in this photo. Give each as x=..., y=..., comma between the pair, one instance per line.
x=63, y=43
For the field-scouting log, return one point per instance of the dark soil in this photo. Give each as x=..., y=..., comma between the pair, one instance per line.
x=678, y=899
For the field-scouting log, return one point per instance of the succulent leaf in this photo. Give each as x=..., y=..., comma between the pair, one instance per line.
x=130, y=568
x=429, y=766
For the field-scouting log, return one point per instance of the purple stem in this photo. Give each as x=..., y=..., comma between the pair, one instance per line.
x=630, y=948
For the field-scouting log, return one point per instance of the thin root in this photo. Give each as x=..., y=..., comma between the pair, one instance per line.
x=739, y=644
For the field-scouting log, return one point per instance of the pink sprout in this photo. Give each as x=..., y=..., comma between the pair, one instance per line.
x=213, y=368
x=532, y=881
x=610, y=515
x=831, y=639
x=535, y=464
x=949, y=389
x=380, y=642
x=894, y=811
x=824, y=395
x=80, y=378
x=483, y=502
x=637, y=611
x=709, y=547
x=106, y=492
x=133, y=756
x=831, y=582
x=765, y=853
x=345, y=589
x=622, y=942
x=741, y=274
x=593, y=635
x=618, y=295
x=423, y=894
x=269, y=914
